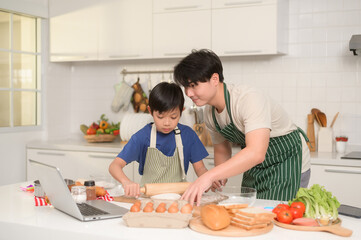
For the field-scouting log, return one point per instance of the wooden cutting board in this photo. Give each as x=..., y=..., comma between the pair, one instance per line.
x=335, y=228
x=231, y=231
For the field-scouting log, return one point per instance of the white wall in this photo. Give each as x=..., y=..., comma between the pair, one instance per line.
x=319, y=71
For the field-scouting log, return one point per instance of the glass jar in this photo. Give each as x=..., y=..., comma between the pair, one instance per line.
x=38, y=190
x=70, y=183
x=79, y=194
x=90, y=190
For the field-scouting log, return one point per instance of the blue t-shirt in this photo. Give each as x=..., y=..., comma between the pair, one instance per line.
x=136, y=148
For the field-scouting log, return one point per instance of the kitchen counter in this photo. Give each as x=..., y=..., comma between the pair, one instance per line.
x=20, y=219
x=80, y=144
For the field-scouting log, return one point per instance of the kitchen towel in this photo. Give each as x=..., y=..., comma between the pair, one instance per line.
x=39, y=201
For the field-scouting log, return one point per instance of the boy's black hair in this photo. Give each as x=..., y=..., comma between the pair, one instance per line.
x=199, y=66
x=166, y=97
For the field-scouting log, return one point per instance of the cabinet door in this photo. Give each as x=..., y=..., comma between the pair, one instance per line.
x=343, y=182
x=249, y=30
x=125, y=30
x=73, y=30
x=61, y=159
x=176, y=34
x=161, y=6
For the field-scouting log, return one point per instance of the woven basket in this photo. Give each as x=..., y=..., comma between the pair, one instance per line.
x=100, y=138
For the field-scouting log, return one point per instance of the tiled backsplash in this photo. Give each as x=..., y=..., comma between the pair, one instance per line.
x=319, y=71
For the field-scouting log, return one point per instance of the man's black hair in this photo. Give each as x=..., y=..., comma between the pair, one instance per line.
x=165, y=97
x=199, y=66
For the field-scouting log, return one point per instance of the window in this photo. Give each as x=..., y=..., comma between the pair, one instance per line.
x=20, y=71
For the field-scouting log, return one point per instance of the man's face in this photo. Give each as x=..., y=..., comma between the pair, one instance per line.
x=166, y=122
x=202, y=93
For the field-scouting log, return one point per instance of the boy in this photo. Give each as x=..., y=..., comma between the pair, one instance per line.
x=164, y=148
x=274, y=158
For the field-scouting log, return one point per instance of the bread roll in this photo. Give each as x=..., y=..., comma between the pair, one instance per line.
x=215, y=217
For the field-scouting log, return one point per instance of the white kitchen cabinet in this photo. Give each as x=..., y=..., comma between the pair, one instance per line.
x=125, y=30
x=343, y=182
x=249, y=27
x=73, y=30
x=209, y=163
x=74, y=164
x=180, y=27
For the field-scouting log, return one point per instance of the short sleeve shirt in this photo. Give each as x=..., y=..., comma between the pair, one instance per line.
x=136, y=148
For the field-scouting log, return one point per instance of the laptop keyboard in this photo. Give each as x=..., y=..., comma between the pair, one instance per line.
x=88, y=210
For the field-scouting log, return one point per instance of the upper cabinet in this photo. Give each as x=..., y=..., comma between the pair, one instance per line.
x=253, y=27
x=125, y=30
x=74, y=30
x=83, y=30
x=180, y=26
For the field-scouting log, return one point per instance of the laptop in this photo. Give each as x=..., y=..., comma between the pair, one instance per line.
x=60, y=197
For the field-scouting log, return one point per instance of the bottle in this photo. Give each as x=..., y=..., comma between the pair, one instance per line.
x=90, y=190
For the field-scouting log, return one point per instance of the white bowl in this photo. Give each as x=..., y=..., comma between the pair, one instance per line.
x=166, y=196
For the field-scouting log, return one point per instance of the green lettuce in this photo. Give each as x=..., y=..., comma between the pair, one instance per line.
x=318, y=201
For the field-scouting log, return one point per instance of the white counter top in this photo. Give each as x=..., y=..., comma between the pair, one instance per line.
x=20, y=219
x=80, y=144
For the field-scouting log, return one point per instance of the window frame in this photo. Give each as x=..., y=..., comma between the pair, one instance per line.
x=40, y=36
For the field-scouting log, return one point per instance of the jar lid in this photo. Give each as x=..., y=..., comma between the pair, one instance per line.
x=89, y=183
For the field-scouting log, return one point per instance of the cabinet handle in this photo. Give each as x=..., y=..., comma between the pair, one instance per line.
x=242, y=51
x=241, y=3
x=343, y=171
x=175, y=54
x=51, y=153
x=101, y=156
x=125, y=56
x=181, y=7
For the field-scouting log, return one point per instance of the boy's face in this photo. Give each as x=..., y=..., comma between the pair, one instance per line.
x=165, y=122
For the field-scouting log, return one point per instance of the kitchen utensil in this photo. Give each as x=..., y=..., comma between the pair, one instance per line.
x=230, y=231
x=335, y=228
x=151, y=189
x=315, y=111
x=311, y=133
x=323, y=119
x=334, y=119
x=238, y=195
x=123, y=93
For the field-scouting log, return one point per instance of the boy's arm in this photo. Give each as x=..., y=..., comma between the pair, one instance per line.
x=116, y=170
x=199, y=168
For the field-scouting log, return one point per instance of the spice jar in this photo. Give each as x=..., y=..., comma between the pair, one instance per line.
x=90, y=190
x=38, y=190
x=79, y=194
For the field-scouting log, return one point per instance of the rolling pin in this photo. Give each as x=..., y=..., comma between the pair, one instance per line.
x=311, y=133
x=151, y=189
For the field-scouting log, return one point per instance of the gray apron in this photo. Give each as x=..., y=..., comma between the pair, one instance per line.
x=278, y=176
x=159, y=168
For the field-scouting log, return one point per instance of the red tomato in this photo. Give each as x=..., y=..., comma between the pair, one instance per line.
x=299, y=205
x=91, y=131
x=280, y=207
x=116, y=132
x=296, y=212
x=285, y=216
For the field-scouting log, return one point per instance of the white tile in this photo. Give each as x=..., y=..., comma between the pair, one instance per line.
x=319, y=35
x=320, y=6
x=348, y=95
x=333, y=95
x=319, y=50
x=305, y=35
x=305, y=20
x=306, y=6
x=334, y=5
x=334, y=49
x=319, y=20
x=334, y=34
x=351, y=4
x=335, y=19
x=293, y=22
x=351, y=18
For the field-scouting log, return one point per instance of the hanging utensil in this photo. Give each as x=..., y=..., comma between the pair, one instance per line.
x=334, y=119
x=315, y=111
x=323, y=119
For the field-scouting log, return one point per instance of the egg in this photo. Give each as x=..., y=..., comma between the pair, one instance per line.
x=161, y=208
x=148, y=208
x=174, y=204
x=187, y=208
x=135, y=208
x=173, y=209
x=137, y=202
x=149, y=204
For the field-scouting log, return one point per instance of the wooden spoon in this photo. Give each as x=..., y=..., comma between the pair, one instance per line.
x=334, y=119
x=323, y=119
x=315, y=111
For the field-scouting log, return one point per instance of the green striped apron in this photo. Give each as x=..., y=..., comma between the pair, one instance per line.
x=278, y=176
x=159, y=168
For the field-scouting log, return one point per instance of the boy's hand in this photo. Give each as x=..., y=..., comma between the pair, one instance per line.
x=217, y=185
x=131, y=189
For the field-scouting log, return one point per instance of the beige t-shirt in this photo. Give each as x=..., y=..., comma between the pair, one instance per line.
x=251, y=109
